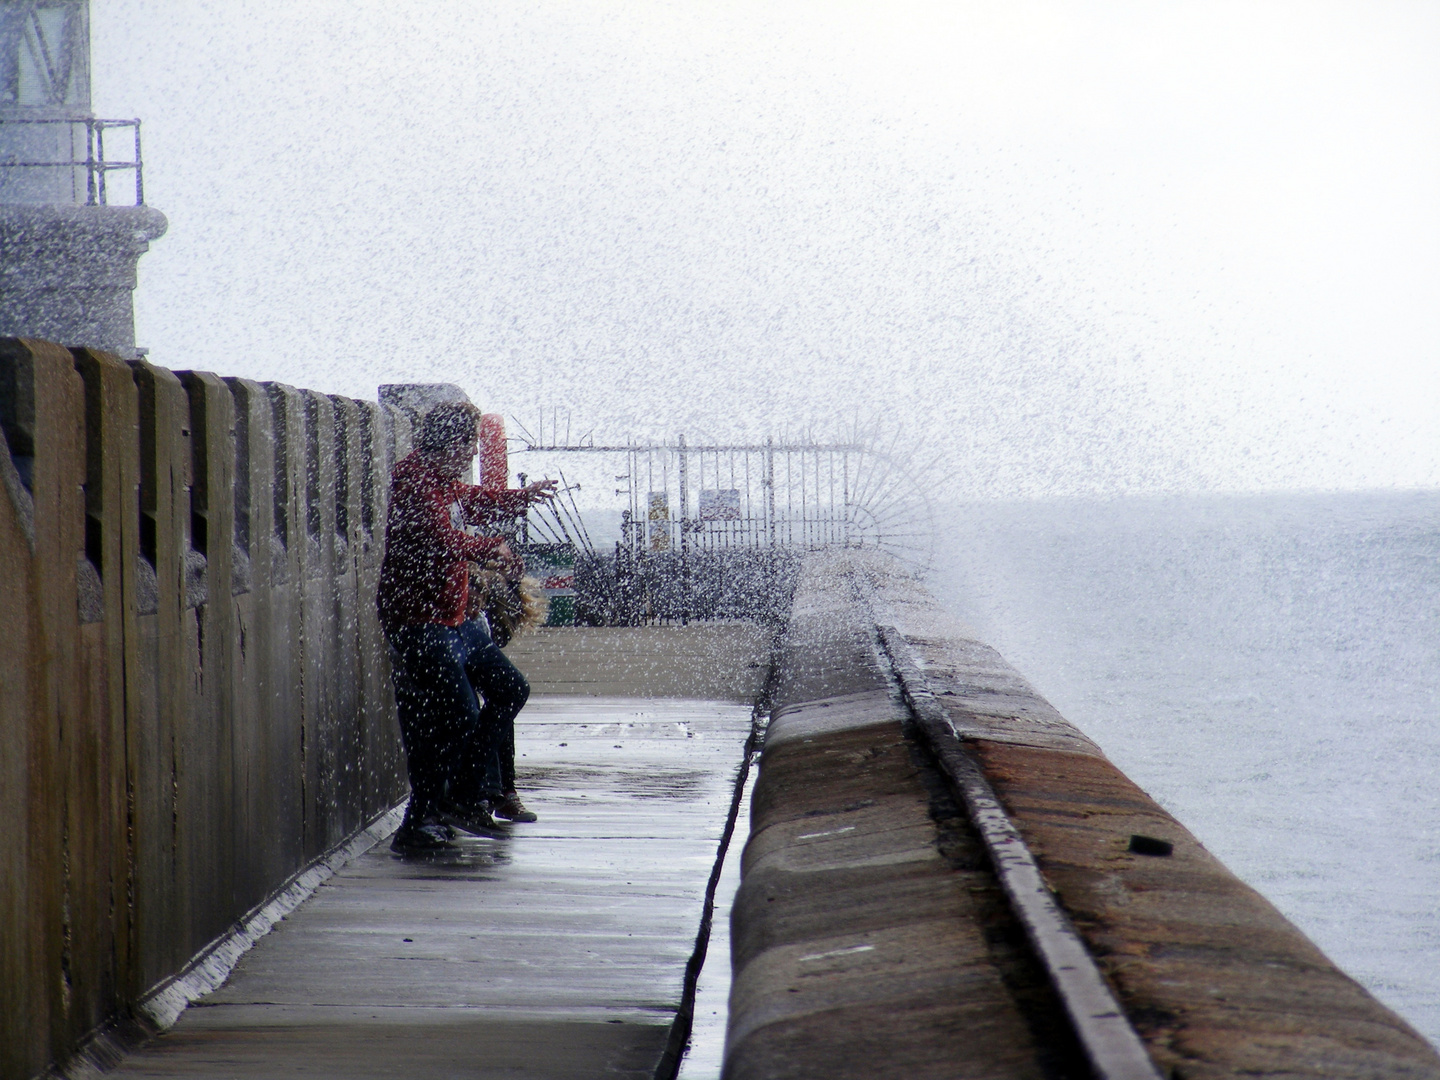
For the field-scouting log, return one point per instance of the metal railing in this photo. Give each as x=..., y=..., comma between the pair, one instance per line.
x=97, y=167
x=759, y=505
x=802, y=495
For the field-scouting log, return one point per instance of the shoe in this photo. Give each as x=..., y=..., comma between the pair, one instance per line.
x=473, y=818
x=512, y=809
x=418, y=837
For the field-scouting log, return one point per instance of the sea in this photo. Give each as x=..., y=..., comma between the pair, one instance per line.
x=1267, y=667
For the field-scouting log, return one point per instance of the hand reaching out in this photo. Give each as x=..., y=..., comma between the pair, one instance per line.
x=539, y=490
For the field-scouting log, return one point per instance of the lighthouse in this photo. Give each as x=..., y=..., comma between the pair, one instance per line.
x=73, y=219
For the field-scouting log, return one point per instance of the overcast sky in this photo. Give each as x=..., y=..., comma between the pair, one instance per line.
x=1072, y=248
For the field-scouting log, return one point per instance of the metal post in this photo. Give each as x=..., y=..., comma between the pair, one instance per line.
x=139, y=172
x=684, y=540
x=789, y=496
x=525, y=517
x=770, y=487
x=100, y=156
x=768, y=483
x=90, y=194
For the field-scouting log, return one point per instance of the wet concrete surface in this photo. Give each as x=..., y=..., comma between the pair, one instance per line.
x=869, y=937
x=709, y=661
x=557, y=951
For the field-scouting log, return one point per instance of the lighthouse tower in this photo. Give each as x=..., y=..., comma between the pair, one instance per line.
x=73, y=219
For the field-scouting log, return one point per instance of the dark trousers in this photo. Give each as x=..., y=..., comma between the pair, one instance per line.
x=455, y=746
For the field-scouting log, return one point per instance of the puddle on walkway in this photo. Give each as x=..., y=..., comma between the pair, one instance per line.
x=653, y=783
x=461, y=860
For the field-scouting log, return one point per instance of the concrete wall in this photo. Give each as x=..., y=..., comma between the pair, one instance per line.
x=194, y=697
x=870, y=937
x=67, y=273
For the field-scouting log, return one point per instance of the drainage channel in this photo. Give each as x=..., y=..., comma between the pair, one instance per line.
x=696, y=1047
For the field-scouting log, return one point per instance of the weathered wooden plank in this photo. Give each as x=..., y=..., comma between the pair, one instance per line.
x=58, y=476
x=284, y=635
x=348, y=796
x=268, y=686
x=318, y=643
x=206, y=774
x=30, y=947
x=165, y=678
x=92, y=744
x=21, y=1015
x=112, y=506
x=385, y=779
x=255, y=771
x=94, y=879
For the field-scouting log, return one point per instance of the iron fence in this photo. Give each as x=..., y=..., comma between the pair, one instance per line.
x=708, y=528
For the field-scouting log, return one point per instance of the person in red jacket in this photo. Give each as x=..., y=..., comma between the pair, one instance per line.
x=459, y=751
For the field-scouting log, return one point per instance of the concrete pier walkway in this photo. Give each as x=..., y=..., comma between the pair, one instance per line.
x=557, y=952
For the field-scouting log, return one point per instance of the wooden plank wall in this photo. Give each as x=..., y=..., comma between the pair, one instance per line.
x=194, y=690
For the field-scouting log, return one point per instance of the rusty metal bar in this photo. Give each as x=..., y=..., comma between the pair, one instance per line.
x=1111, y=1044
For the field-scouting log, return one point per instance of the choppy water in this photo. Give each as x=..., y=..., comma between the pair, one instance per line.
x=1268, y=668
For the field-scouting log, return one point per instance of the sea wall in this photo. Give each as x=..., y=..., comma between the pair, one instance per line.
x=194, y=697
x=870, y=934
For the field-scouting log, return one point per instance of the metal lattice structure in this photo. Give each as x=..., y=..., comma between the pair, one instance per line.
x=707, y=525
